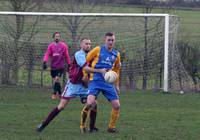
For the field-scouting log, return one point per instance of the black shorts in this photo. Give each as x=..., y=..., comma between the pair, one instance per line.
x=58, y=73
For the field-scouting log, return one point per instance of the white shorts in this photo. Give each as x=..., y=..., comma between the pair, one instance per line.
x=74, y=90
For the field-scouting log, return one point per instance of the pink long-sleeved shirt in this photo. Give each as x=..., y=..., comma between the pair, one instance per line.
x=58, y=52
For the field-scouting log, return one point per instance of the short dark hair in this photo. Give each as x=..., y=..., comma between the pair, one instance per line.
x=55, y=34
x=109, y=34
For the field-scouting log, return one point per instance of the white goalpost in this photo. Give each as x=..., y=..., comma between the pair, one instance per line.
x=147, y=42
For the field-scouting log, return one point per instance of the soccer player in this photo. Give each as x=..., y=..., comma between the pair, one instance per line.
x=58, y=52
x=77, y=86
x=104, y=57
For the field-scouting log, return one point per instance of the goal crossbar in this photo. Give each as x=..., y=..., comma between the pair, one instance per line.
x=80, y=14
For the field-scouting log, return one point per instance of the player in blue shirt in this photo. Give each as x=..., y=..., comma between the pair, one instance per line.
x=107, y=58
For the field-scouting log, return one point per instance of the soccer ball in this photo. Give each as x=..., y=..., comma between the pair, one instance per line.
x=110, y=76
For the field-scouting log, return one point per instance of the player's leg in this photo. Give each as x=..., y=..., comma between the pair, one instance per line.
x=66, y=96
x=85, y=112
x=57, y=86
x=53, y=75
x=83, y=99
x=114, y=116
x=58, y=77
x=109, y=91
x=93, y=115
x=54, y=112
x=93, y=93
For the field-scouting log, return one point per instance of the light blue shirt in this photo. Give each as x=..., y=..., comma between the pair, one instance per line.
x=73, y=90
x=80, y=57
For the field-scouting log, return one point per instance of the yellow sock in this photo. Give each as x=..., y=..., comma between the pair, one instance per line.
x=84, y=115
x=113, y=118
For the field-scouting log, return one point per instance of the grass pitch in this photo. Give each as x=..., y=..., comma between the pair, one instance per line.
x=144, y=116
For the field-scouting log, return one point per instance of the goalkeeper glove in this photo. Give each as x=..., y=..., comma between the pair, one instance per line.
x=44, y=66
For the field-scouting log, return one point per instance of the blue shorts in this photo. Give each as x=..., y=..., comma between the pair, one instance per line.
x=108, y=90
x=74, y=90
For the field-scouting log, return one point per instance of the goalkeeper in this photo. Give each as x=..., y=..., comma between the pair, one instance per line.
x=57, y=51
x=104, y=57
x=77, y=86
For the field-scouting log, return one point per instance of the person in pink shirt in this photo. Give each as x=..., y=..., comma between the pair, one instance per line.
x=57, y=51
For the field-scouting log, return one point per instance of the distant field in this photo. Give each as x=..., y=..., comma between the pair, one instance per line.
x=144, y=116
x=189, y=19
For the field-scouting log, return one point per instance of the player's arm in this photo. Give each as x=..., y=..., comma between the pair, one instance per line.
x=87, y=69
x=67, y=54
x=92, y=54
x=92, y=70
x=90, y=57
x=46, y=56
x=80, y=59
x=117, y=68
x=117, y=65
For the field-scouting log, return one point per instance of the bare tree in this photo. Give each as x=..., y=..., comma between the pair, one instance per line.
x=76, y=25
x=15, y=28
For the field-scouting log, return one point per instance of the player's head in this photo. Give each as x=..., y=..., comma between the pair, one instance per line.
x=85, y=44
x=109, y=39
x=56, y=36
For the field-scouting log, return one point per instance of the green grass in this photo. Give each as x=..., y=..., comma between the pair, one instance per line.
x=144, y=116
x=36, y=77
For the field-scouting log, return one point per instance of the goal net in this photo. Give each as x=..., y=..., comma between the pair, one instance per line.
x=147, y=43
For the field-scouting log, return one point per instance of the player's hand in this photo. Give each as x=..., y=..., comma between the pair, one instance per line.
x=103, y=71
x=44, y=66
x=85, y=81
x=68, y=67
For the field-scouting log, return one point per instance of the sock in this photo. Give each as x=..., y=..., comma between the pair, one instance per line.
x=84, y=115
x=56, y=87
x=51, y=116
x=59, y=89
x=113, y=118
x=93, y=115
